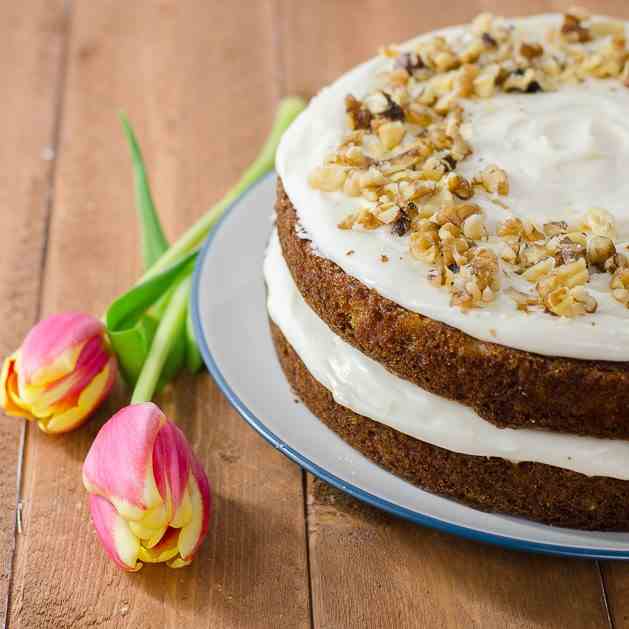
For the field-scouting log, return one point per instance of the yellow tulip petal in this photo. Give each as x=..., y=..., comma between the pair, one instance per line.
x=61, y=366
x=189, y=536
x=165, y=551
x=89, y=398
x=183, y=516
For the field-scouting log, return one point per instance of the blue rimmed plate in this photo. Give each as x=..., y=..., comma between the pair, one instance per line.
x=231, y=326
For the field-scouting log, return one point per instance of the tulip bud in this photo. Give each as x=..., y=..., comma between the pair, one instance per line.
x=61, y=373
x=149, y=496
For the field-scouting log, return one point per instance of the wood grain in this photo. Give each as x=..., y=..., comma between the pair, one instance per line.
x=200, y=81
x=406, y=576
x=402, y=575
x=193, y=78
x=31, y=42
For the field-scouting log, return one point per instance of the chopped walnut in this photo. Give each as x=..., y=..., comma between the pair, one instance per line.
x=523, y=301
x=540, y=269
x=406, y=140
x=599, y=250
x=555, y=228
x=474, y=227
x=572, y=29
x=424, y=244
x=526, y=81
x=455, y=214
x=328, y=178
x=402, y=223
x=391, y=134
x=476, y=282
x=620, y=286
x=494, y=179
x=615, y=262
x=600, y=222
x=570, y=302
x=530, y=254
x=358, y=116
x=460, y=186
x=531, y=51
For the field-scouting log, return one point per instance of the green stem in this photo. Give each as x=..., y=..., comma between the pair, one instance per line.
x=288, y=110
x=165, y=336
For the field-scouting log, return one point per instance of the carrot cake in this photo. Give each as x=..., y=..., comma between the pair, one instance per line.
x=448, y=283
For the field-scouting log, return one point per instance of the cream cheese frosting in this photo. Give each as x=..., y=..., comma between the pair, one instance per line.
x=366, y=387
x=565, y=152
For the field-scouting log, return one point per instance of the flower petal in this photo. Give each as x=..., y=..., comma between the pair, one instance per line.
x=52, y=347
x=9, y=396
x=88, y=401
x=115, y=535
x=171, y=465
x=166, y=550
x=195, y=531
x=119, y=464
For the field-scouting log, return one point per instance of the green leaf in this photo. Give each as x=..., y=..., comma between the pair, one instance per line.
x=169, y=332
x=194, y=362
x=131, y=324
x=287, y=111
x=154, y=243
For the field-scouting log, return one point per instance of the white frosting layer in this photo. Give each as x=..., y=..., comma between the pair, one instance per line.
x=363, y=385
x=564, y=151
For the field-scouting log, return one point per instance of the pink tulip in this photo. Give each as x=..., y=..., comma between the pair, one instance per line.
x=149, y=496
x=60, y=374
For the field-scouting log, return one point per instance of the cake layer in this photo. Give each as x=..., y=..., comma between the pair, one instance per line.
x=532, y=490
x=564, y=152
x=366, y=387
x=506, y=386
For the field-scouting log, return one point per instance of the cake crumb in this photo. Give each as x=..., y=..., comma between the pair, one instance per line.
x=350, y=252
x=384, y=258
x=493, y=332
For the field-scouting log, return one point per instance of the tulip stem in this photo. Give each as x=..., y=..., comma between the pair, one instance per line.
x=288, y=110
x=168, y=330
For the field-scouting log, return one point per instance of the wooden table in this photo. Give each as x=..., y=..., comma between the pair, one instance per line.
x=201, y=80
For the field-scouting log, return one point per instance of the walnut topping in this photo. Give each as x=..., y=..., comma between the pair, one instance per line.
x=531, y=51
x=328, y=178
x=358, y=116
x=570, y=302
x=409, y=61
x=523, y=81
x=539, y=269
x=599, y=222
x=494, y=179
x=393, y=110
x=476, y=282
x=404, y=156
x=474, y=227
x=555, y=228
x=620, y=286
x=599, y=250
x=460, y=186
x=391, y=134
x=573, y=30
x=615, y=262
x=402, y=223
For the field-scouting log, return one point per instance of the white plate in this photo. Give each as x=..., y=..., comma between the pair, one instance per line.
x=231, y=325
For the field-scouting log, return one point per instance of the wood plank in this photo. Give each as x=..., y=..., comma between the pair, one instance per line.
x=193, y=78
x=615, y=575
x=31, y=43
x=402, y=575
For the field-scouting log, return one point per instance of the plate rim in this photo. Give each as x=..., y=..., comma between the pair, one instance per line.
x=405, y=513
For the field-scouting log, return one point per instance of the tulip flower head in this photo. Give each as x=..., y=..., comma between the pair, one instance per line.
x=61, y=373
x=149, y=496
